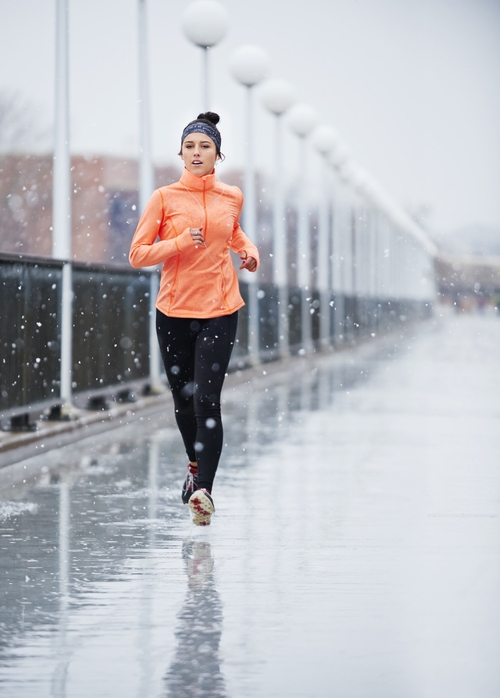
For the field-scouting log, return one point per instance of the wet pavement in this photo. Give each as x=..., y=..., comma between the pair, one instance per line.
x=355, y=550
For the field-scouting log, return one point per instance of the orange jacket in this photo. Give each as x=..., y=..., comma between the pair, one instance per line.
x=197, y=281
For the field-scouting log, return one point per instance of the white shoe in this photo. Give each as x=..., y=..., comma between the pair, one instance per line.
x=202, y=507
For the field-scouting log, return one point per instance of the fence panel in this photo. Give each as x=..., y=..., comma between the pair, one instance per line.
x=268, y=296
x=29, y=332
x=239, y=357
x=110, y=328
x=294, y=319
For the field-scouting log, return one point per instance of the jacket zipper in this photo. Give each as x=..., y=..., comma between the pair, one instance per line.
x=221, y=272
x=176, y=273
x=204, y=208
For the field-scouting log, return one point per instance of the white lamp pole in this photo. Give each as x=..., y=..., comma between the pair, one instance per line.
x=368, y=188
x=349, y=246
x=249, y=65
x=363, y=185
x=338, y=156
x=324, y=139
x=278, y=96
x=357, y=177
x=61, y=235
x=302, y=119
x=205, y=23
x=146, y=172
x=146, y=188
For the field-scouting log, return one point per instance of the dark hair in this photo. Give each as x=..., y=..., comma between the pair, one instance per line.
x=210, y=119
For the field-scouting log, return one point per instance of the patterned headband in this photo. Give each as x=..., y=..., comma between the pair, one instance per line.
x=202, y=127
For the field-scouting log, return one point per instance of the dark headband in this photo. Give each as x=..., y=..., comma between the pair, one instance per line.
x=202, y=127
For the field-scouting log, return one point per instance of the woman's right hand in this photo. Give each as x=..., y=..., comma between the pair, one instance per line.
x=197, y=236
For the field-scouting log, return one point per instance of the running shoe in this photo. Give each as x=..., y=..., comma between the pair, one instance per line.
x=190, y=483
x=202, y=507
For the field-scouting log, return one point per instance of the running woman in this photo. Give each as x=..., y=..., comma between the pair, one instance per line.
x=191, y=226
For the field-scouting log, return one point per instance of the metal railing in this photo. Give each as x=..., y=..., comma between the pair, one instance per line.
x=110, y=330
x=110, y=348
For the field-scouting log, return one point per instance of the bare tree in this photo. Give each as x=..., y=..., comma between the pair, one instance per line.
x=21, y=129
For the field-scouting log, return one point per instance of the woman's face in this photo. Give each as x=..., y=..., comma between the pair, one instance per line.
x=199, y=154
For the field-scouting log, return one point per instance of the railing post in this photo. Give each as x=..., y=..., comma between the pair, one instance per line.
x=67, y=333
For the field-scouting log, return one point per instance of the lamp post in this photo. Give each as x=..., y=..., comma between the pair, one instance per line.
x=249, y=65
x=146, y=187
x=370, y=189
x=61, y=220
x=278, y=96
x=146, y=171
x=349, y=249
x=338, y=156
x=302, y=119
x=205, y=23
x=358, y=177
x=324, y=139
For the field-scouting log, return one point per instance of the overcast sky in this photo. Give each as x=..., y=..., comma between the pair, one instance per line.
x=413, y=86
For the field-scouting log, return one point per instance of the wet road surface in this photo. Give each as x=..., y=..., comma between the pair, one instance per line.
x=354, y=551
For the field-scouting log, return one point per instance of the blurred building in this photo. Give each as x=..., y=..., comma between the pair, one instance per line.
x=105, y=199
x=468, y=281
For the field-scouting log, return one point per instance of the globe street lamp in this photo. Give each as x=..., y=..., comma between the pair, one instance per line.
x=324, y=139
x=302, y=119
x=205, y=23
x=339, y=155
x=278, y=96
x=249, y=65
x=366, y=234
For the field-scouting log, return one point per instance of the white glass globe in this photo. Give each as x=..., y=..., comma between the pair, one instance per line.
x=339, y=155
x=324, y=138
x=358, y=176
x=345, y=171
x=205, y=23
x=277, y=95
x=302, y=119
x=249, y=64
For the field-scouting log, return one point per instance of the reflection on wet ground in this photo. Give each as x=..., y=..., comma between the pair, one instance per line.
x=354, y=550
x=195, y=668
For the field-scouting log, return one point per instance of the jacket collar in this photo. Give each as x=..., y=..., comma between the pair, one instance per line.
x=198, y=183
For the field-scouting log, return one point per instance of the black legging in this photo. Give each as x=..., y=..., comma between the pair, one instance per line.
x=196, y=355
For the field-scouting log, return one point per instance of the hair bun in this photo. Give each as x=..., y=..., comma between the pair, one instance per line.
x=210, y=116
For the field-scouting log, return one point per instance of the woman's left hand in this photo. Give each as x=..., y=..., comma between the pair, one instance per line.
x=249, y=263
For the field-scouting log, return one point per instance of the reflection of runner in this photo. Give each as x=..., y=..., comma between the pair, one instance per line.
x=195, y=669
x=197, y=223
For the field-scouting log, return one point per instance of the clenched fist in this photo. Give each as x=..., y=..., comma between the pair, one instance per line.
x=249, y=263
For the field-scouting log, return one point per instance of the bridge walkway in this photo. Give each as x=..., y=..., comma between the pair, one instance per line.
x=355, y=550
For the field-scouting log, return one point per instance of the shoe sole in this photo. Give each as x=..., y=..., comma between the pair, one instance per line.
x=201, y=507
